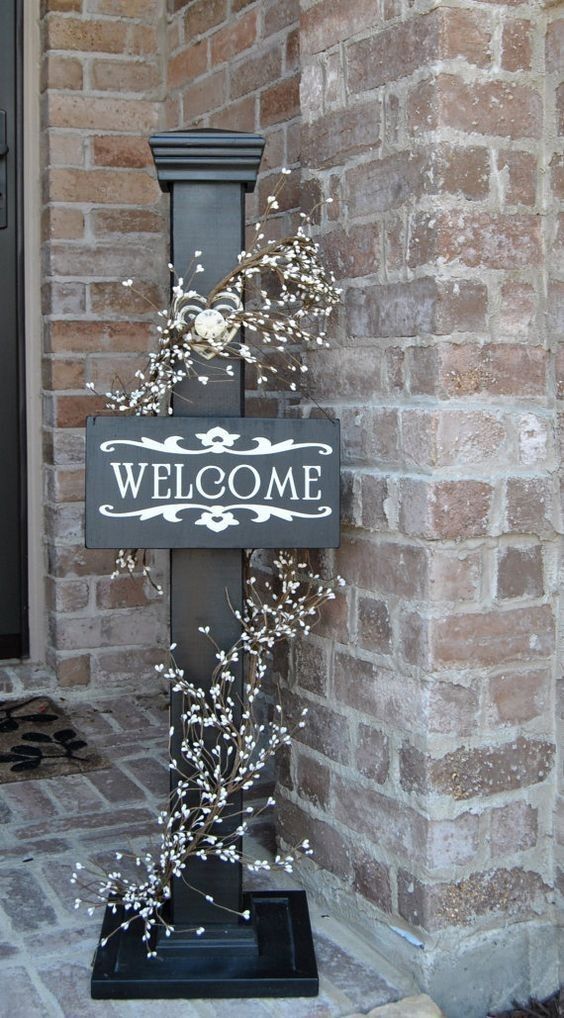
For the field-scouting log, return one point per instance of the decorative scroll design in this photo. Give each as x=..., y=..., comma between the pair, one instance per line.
x=216, y=517
x=217, y=440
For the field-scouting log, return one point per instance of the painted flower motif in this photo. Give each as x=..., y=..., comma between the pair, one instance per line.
x=217, y=519
x=217, y=439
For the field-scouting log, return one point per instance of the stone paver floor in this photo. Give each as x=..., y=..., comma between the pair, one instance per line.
x=46, y=946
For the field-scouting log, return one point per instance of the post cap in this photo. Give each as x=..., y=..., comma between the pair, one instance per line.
x=207, y=154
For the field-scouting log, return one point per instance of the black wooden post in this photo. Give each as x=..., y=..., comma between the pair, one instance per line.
x=207, y=173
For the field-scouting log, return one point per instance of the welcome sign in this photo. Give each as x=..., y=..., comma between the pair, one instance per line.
x=200, y=482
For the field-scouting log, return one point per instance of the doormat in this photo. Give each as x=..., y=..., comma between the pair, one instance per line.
x=39, y=740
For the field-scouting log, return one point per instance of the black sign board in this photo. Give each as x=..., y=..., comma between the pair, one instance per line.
x=200, y=482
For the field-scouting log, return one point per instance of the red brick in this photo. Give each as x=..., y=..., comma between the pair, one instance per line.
x=352, y=253
x=487, y=107
x=371, y=436
x=127, y=220
x=238, y=116
x=73, y=410
x=63, y=374
x=255, y=71
x=314, y=780
x=190, y=63
x=123, y=592
x=478, y=771
x=374, y=492
x=513, y=828
x=62, y=223
x=124, y=76
x=511, y=892
x=393, y=54
x=65, y=149
x=293, y=52
x=370, y=690
x=520, y=572
x=280, y=102
x=466, y=34
x=489, y=240
x=371, y=879
x=341, y=134
x=454, y=575
x=394, y=827
x=311, y=666
x=73, y=670
x=518, y=306
x=89, y=35
x=489, y=638
x=517, y=45
x=60, y=5
x=235, y=37
x=445, y=510
x=374, y=631
x=529, y=504
x=555, y=45
x=372, y=753
x=127, y=187
x=75, y=632
x=520, y=172
x=461, y=306
x=358, y=370
x=464, y=171
x=61, y=72
x=83, y=336
x=279, y=14
x=450, y=708
x=115, y=299
x=142, y=40
x=517, y=697
x=107, y=114
x=501, y=369
x=121, y=150
x=203, y=15
x=323, y=25
x=63, y=298
x=205, y=94
x=392, y=309
x=557, y=175
x=148, y=9
x=68, y=595
x=330, y=850
x=387, y=566
x=66, y=486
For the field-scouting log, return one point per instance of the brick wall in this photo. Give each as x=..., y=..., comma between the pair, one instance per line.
x=426, y=776
x=102, y=90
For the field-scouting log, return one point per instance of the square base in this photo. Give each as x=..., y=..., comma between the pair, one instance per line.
x=279, y=961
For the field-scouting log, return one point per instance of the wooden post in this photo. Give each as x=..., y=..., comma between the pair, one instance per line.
x=207, y=173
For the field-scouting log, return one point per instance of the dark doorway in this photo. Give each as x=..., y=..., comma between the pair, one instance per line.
x=13, y=568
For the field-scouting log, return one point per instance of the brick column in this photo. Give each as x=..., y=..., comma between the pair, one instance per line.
x=102, y=81
x=425, y=779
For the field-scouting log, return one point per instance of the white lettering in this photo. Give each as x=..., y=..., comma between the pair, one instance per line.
x=309, y=479
x=179, y=467
x=288, y=480
x=256, y=478
x=129, y=481
x=220, y=479
x=158, y=477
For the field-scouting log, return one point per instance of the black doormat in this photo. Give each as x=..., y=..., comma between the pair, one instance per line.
x=39, y=740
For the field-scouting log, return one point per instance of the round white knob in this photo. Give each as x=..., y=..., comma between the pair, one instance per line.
x=209, y=324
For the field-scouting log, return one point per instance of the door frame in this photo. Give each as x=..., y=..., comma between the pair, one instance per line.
x=32, y=340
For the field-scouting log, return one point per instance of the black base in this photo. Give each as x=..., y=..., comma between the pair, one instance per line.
x=270, y=956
